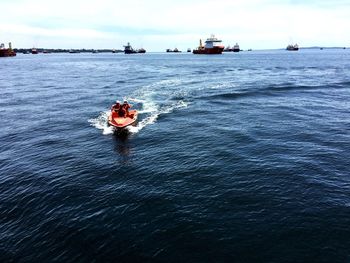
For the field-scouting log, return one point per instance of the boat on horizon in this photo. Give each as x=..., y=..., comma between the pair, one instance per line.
x=212, y=46
x=141, y=50
x=175, y=50
x=227, y=49
x=34, y=51
x=7, y=52
x=129, y=50
x=236, y=48
x=292, y=47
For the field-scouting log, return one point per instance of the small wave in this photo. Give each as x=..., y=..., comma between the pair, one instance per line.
x=270, y=90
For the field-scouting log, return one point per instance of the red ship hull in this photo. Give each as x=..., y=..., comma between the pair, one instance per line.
x=7, y=53
x=209, y=51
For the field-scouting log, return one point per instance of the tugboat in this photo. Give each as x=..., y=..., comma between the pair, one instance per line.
x=129, y=50
x=291, y=47
x=7, y=52
x=212, y=46
x=236, y=48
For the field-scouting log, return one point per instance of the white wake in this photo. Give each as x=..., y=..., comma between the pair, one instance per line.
x=150, y=113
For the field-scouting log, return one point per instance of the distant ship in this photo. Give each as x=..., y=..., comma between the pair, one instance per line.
x=291, y=47
x=129, y=50
x=227, y=49
x=236, y=48
x=175, y=50
x=212, y=46
x=34, y=51
x=141, y=50
x=7, y=52
x=188, y=50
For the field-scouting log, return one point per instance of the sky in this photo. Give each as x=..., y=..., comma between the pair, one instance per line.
x=160, y=24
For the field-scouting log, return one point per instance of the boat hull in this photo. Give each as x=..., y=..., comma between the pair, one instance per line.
x=7, y=53
x=122, y=122
x=209, y=51
x=130, y=52
x=293, y=49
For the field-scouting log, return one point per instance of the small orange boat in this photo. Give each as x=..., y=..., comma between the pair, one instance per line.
x=122, y=122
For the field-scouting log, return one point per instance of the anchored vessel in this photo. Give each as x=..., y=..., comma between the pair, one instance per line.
x=212, y=46
x=175, y=50
x=294, y=47
x=129, y=50
x=236, y=48
x=7, y=52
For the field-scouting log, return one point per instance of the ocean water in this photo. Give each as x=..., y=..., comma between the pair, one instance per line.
x=235, y=158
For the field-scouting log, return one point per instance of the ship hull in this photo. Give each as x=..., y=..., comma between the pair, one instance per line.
x=7, y=53
x=209, y=51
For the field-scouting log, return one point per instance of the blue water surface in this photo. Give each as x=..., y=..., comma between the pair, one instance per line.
x=235, y=158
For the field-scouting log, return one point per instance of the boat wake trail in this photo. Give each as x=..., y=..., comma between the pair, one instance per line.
x=150, y=110
x=101, y=123
x=152, y=115
x=151, y=101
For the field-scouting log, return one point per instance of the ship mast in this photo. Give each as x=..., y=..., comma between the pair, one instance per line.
x=200, y=44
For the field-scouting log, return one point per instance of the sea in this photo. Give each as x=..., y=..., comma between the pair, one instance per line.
x=239, y=157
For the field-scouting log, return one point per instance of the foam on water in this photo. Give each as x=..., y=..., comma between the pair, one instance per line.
x=151, y=101
x=152, y=118
x=101, y=123
x=149, y=108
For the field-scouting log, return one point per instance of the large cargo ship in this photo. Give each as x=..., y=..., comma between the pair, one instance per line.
x=212, y=46
x=7, y=52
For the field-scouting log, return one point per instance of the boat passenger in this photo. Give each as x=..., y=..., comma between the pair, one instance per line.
x=126, y=106
x=122, y=112
x=115, y=107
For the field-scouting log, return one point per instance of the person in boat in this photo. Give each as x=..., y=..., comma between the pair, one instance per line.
x=115, y=107
x=122, y=112
x=126, y=107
